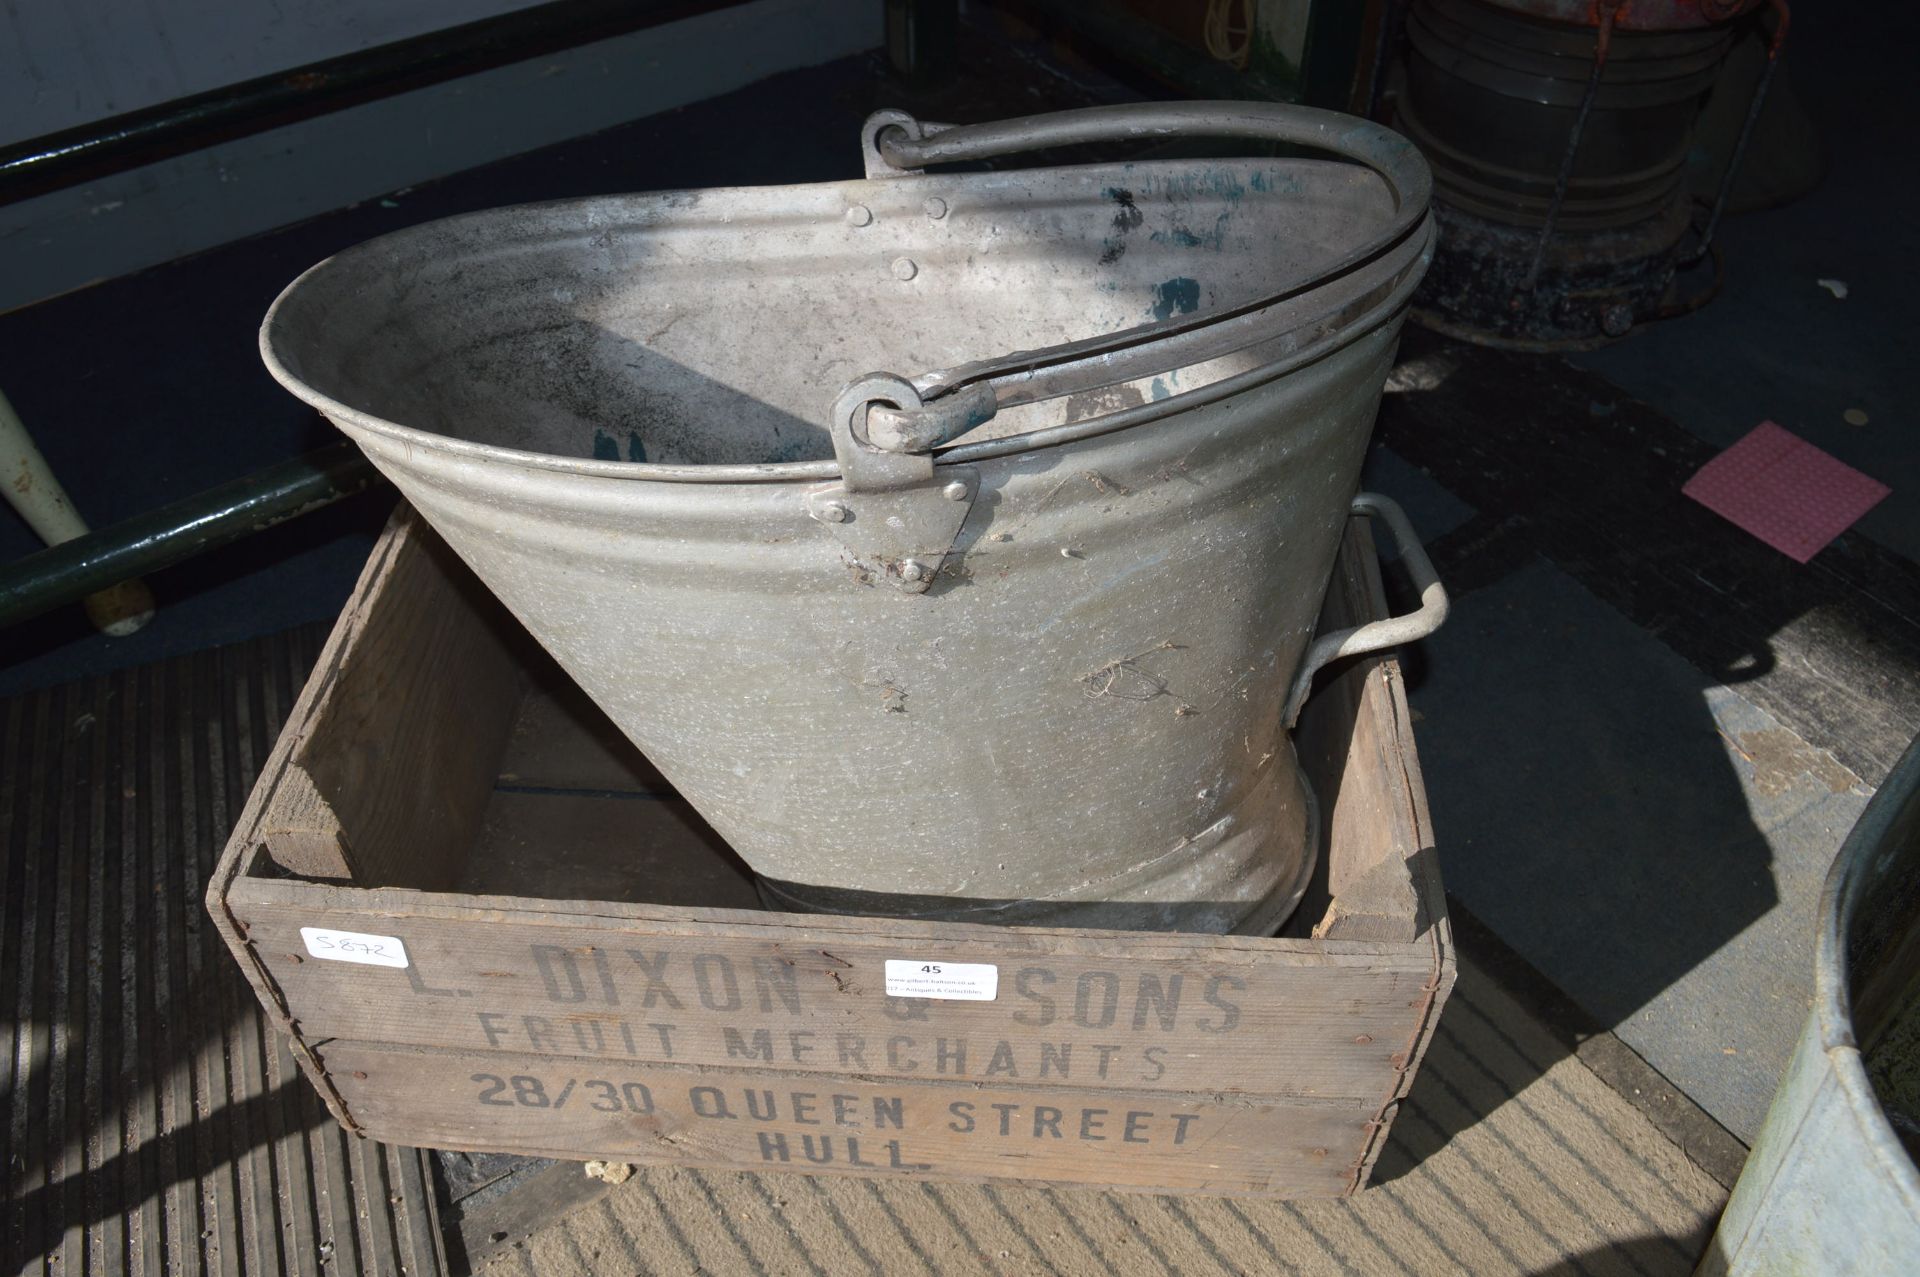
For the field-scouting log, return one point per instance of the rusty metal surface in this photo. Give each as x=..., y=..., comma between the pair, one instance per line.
x=1640, y=15
x=1782, y=24
x=155, y=1125
x=1592, y=287
x=1034, y=675
x=1559, y=157
x=1493, y=102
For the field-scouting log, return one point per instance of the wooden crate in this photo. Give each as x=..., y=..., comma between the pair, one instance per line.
x=587, y=971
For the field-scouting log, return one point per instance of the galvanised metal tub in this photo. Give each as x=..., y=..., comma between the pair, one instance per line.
x=1010, y=632
x=1831, y=1186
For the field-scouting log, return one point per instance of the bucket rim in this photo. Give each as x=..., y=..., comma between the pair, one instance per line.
x=1858, y=868
x=1396, y=300
x=1310, y=318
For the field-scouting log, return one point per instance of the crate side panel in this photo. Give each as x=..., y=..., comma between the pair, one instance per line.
x=404, y=745
x=318, y=852
x=1424, y=870
x=750, y=1119
x=1179, y=1017
x=282, y=796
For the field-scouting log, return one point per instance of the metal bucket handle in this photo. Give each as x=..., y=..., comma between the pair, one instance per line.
x=1377, y=635
x=891, y=514
x=898, y=146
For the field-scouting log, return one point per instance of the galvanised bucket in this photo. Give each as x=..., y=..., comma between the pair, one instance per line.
x=1009, y=633
x=1832, y=1185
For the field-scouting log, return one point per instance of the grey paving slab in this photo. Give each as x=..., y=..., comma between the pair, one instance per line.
x=1722, y=1031
x=1652, y=842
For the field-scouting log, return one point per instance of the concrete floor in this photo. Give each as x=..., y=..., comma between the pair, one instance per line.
x=1651, y=841
x=1776, y=344
x=1683, y=787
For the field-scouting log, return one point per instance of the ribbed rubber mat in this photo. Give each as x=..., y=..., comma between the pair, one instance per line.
x=1511, y=1157
x=155, y=1124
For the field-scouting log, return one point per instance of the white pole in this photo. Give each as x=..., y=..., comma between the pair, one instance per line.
x=31, y=489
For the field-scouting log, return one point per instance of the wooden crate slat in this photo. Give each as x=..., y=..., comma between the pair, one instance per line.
x=397, y=753
x=745, y=1118
x=1179, y=1019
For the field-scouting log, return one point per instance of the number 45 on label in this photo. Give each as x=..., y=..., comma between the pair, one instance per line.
x=948, y=981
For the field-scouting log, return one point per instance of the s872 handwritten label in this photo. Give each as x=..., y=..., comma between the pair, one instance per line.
x=354, y=946
x=951, y=981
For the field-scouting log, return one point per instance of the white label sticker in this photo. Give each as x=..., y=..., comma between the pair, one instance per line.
x=354, y=946
x=953, y=981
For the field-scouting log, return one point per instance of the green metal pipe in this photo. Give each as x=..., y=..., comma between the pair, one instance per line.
x=159, y=132
x=70, y=571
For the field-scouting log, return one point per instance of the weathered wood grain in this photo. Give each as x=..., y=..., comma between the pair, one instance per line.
x=398, y=754
x=520, y=1196
x=1074, y=1007
x=318, y=849
x=745, y=1118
